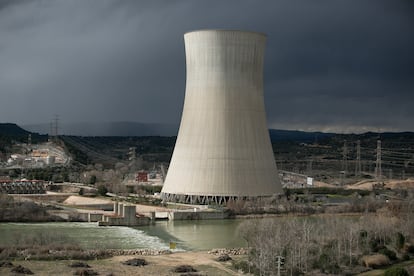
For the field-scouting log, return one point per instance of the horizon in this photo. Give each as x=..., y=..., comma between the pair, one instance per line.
x=177, y=127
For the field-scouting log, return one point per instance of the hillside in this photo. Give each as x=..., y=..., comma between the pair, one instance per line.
x=322, y=159
x=10, y=132
x=316, y=154
x=296, y=135
x=123, y=129
x=109, y=129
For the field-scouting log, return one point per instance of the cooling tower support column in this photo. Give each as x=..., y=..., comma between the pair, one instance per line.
x=223, y=149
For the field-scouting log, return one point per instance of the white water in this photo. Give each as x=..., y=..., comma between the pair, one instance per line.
x=87, y=235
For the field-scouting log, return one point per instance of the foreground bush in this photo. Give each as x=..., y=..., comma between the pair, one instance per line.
x=245, y=267
x=85, y=272
x=396, y=271
x=21, y=270
x=184, y=268
x=389, y=253
x=224, y=258
x=136, y=262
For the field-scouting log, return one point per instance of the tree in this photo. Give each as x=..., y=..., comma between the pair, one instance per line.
x=102, y=190
x=400, y=240
x=92, y=179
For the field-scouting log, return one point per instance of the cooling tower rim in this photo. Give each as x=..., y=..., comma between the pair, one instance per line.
x=239, y=195
x=225, y=30
x=208, y=199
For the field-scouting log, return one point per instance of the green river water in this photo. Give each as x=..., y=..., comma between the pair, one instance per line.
x=189, y=235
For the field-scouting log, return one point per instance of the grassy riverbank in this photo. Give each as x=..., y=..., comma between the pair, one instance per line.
x=204, y=263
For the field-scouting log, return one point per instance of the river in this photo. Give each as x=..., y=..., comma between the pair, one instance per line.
x=188, y=235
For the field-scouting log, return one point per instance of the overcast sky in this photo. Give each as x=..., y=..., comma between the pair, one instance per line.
x=330, y=65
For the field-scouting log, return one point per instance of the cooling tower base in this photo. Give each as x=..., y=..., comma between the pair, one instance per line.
x=200, y=199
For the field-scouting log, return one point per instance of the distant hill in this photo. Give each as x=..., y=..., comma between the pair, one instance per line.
x=12, y=130
x=109, y=129
x=154, y=129
x=296, y=135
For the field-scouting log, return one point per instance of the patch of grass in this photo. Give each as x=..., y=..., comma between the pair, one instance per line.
x=184, y=268
x=136, y=262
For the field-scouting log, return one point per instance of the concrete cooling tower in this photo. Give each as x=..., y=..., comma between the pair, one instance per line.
x=223, y=149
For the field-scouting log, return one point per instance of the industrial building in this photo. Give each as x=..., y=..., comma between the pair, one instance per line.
x=223, y=149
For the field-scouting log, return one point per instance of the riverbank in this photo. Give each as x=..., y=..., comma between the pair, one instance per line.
x=204, y=262
x=260, y=216
x=164, y=264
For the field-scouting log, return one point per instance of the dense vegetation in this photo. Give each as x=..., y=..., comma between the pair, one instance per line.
x=22, y=211
x=329, y=244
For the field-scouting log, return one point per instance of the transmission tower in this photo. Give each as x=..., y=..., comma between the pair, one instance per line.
x=309, y=168
x=132, y=153
x=344, y=164
x=280, y=262
x=54, y=128
x=345, y=158
x=51, y=131
x=358, y=159
x=378, y=169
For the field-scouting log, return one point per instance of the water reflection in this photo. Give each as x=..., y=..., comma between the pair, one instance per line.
x=197, y=235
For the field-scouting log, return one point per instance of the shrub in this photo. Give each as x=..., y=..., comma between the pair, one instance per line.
x=6, y=264
x=78, y=264
x=8, y=253
x=102, y=190
x=135, y=262
x=375, y=245
x=224, y=258
x=396, y=271
x=409, y=248
x=92, y=179
x=21, y=270
x=389, y=253
x=325, y=264
x=400, y=240
x=245, y=267
x=85, y=272
x=184, y=268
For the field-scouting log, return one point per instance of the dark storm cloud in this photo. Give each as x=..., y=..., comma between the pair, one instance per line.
x=330, y=65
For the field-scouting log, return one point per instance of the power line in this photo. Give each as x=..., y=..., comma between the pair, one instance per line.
x=54, y=128
x=345, y=158
x=358, y=159
x=378, y=169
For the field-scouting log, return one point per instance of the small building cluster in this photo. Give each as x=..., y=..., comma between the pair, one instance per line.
x=39, y=156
